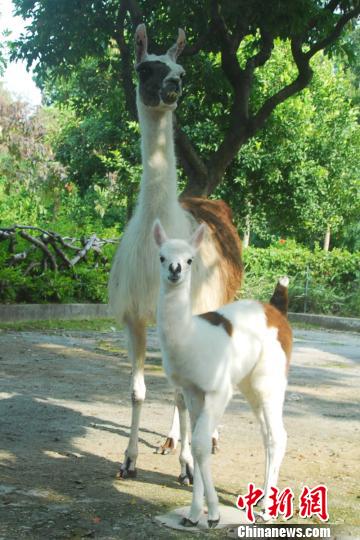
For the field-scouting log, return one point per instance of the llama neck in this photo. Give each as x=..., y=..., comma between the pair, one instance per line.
x=158, y=186
x=174, y=309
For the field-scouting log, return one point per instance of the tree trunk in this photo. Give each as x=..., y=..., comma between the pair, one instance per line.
x=246, y=238
x=327, y=239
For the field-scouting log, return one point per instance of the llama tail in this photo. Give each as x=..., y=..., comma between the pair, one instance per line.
x=280, y=298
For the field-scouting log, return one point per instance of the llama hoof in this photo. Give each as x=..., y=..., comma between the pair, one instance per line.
x=212, y=523
x=262, y=517
x=125, y=471
x=186, y=522
x=122, y=474
x=187, y=479
x=167, y=447
x=184, y=480
x=214, y=446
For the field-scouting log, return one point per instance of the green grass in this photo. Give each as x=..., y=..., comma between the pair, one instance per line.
x=94, y=325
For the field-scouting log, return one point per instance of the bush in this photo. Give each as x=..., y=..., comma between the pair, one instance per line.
x=82, y=283
x=320, y=282
x=86, y=285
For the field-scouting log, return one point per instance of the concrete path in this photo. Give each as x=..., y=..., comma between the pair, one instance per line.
x=64, y=424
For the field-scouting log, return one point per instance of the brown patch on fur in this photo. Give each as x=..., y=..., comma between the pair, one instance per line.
x=280, y=299
x=218, y=217
x=215, y=318
x=276, y=320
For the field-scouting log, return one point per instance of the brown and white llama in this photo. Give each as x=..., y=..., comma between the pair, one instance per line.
x=134, y=279
x=247, y=350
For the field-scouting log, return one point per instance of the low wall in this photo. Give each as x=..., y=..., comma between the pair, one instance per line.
x=45, y=312
x=327, y=321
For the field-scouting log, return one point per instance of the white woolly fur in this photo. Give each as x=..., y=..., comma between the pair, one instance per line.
x=210, y=361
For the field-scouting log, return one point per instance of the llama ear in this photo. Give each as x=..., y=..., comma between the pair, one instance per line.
x=141, y=43
x=178, y=47
x=159, y=233
x=198, y=236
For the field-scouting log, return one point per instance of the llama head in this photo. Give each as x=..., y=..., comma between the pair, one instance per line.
x=176, y=256
x=160, y=77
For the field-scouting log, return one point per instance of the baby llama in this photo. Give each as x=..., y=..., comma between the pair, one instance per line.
x=245, y=345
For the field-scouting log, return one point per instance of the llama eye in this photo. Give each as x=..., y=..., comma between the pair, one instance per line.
x=162, y=259
x=144, y=70
x=189, y=261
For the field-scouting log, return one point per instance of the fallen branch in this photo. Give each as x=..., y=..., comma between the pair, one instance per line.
x=18, y=257
x=60, y=252
x=84, y=251
x=42, y=246
x=54, y=248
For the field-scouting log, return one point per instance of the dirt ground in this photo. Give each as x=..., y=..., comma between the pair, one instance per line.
x=64, y=424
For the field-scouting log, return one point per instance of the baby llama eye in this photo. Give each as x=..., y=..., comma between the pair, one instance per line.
x=189, y=261
x=162, y=259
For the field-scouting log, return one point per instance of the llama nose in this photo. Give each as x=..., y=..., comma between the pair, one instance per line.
x=176, y=270
x=171, y=90
x=174, y=82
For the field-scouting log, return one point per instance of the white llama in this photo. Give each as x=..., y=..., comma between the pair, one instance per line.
x=245, y=345
x=134, y=279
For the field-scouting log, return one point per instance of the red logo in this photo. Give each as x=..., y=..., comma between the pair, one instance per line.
x=282, y=503
x=249, y=500
x=314, y=502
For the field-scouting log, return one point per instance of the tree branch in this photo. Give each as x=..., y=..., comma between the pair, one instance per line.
x=302, y=80
x=191, y=50
x=266, y=47
x=83, y=251
x=195, y=169
x=228, y=47
x=18, y=257
x=38, y=243
x=126, y=54
x=60, y=252
x=302, y=61
x=241, y=80
x=330, y=38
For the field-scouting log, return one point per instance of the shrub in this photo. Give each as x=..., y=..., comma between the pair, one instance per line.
x=320, y=282
x=85, y=282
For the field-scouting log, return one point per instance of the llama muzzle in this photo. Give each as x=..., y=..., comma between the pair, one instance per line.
x=170, y=91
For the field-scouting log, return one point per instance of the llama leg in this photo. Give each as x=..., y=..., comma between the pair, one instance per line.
x=195, y=402
x=210, y=416
x=197, y=501
x=276, y=443
x=186, y=459
x=173, y=436
x=254, y=402
x=136, y=345
x=201, y=447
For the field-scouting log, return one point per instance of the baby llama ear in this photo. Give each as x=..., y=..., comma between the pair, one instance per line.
x=159, y=233
x=198, y=236
x=178, y=47
x=141, y=43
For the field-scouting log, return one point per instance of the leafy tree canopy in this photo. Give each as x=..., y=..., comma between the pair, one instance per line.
x=299, y=176
x=29, y=174
x=229, y=44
